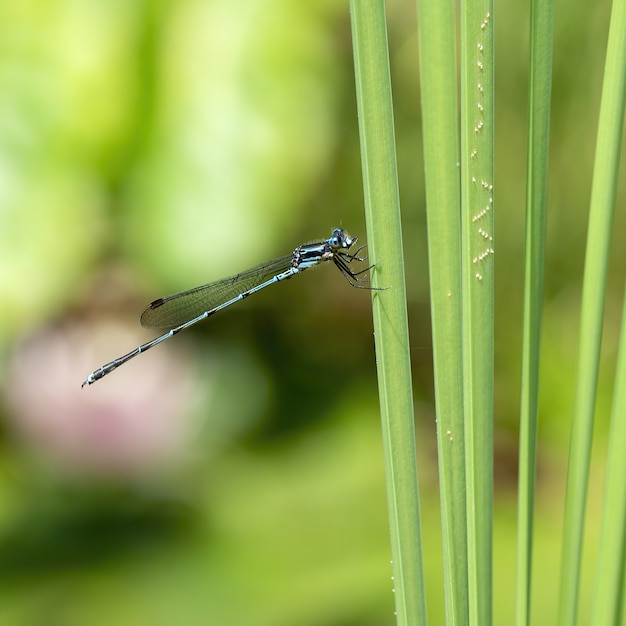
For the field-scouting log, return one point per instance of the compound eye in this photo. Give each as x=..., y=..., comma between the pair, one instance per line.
x=337, y=239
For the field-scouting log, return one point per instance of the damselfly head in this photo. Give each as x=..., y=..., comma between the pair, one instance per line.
x=341, y=239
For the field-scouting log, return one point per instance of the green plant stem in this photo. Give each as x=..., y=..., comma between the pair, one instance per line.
x=441, y=154
x=611, y=555
x=382, y=205
x=540, y=82
x=477, y=287
x=602, y=203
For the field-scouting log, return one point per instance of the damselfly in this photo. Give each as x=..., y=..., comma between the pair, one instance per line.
x=182, y=310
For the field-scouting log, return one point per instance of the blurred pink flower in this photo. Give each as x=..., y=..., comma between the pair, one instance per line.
x=133, y=421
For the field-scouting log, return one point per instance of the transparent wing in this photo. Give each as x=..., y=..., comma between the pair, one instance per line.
x=181, y=307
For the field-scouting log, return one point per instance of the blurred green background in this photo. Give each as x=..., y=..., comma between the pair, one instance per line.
x=234, y=475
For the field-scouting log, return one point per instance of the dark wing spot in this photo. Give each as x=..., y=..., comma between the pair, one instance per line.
x=156, y=304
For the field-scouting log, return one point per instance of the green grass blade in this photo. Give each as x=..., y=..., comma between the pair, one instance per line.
x=477, y=276
x=380, y=180
x=441, y=154
x=606, y=601
x=541, y=45
x=605, y=172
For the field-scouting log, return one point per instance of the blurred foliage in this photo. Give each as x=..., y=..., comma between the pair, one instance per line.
x=149, y=146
